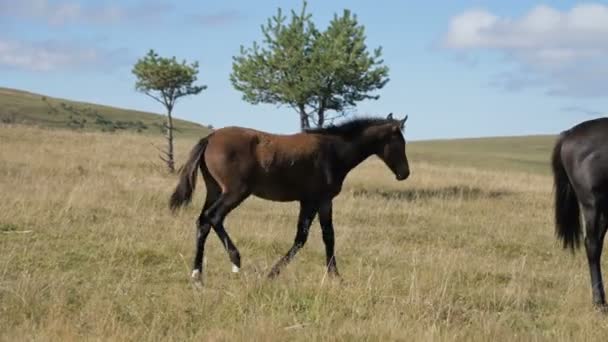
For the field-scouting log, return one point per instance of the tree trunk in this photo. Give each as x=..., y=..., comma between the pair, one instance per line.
x=304, y=120
x=321, y=118
x=169, y=135
x=322, y=106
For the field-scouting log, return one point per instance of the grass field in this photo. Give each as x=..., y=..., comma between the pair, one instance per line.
x=21, y=107
x=462, y=250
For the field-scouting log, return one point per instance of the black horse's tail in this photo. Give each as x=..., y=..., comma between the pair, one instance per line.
x=187, y=179
x=567, y=211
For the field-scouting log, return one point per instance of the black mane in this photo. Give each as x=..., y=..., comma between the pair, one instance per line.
x=351, y=127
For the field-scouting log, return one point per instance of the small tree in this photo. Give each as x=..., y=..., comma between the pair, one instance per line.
x=314, y=72
x=166, y=80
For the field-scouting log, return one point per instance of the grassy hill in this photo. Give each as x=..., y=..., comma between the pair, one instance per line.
x=523, y=153
x=23, y=107
x=463, y=250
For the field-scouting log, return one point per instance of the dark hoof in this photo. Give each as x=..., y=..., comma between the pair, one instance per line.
x=601, y=307
x=235, y=258
x=273, y=274
x=332, y=271
x=334, y=274
x=336, y=277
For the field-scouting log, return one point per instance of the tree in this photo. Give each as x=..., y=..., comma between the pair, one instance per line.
x=312, y=71
x=166, y=80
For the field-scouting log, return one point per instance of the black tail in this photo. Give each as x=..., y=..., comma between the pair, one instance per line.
x=567, y=211
x=187, y=179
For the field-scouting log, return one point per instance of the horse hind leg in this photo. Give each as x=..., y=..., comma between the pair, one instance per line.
x=217, y=213
x=595, y=232
x=203, y=227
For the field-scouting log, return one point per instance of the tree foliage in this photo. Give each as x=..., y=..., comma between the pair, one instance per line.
x=166, y=80
x=315, y=72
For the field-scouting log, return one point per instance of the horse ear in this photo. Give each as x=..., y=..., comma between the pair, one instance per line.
x=402, y=122
x=390, y=116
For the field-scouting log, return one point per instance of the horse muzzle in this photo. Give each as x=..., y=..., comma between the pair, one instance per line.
x=402, y=175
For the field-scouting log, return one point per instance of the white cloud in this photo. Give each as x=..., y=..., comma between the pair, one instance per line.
x=48, y=56
x=58, y=13
x=563, y=50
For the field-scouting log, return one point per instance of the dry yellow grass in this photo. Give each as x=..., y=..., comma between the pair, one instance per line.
x=88, y=249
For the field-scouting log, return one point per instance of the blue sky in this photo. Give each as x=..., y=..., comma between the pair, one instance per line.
x=458, y=68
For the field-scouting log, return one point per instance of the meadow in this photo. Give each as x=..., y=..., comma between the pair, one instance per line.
x=462, y=250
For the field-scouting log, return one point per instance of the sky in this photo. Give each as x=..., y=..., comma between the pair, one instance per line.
x=457, y=68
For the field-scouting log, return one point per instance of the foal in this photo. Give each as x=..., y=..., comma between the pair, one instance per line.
x=307, y=167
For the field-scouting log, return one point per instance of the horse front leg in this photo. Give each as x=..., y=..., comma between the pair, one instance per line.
x=327, y=228
x=307, y=214
x=217, y=213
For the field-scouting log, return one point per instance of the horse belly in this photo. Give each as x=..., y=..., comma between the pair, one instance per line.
x=286, y=188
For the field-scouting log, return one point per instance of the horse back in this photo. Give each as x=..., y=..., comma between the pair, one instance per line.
x=266, y=148
x=272, y=166
x=584, y=154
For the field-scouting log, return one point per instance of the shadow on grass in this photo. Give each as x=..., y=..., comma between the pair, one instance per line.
x=446, y=193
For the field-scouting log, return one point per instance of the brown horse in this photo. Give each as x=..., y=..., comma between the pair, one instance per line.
x=307, y=167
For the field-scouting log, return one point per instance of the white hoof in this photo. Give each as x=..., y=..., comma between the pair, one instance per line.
x=235, y=269
x=196, y=275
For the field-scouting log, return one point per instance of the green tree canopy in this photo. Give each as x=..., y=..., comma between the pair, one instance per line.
x=315, y=72
x=166, y=80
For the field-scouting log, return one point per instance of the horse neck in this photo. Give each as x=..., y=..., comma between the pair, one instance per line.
x=354, y=151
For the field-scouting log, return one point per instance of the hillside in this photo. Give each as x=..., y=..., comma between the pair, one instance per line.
x=17, y=106
x=521, y=153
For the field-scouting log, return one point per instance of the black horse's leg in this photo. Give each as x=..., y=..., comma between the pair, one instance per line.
x=217, y=213
x=202, y=231
x=233, y=252
x=203, y=227
x=327, y=227
x=307, y=214
x=593, y=247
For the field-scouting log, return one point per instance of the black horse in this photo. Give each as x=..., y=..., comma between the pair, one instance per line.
x=580, y=171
